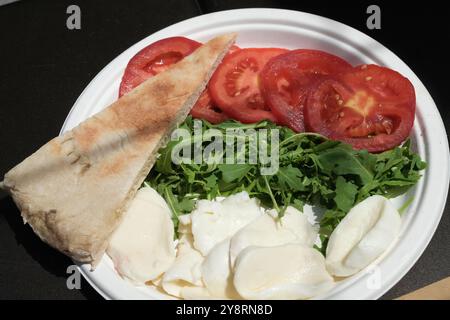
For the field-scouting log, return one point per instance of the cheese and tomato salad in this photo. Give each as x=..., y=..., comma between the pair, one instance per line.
x=235, y=247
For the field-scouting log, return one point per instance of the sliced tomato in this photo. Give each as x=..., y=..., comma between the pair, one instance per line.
x=288, y=78
x=235, y=88
x=204, y=109
x=369, y=107
x=154, y=59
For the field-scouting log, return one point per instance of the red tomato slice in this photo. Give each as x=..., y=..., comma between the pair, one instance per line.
x=154, y=59
x=287, y=79
x=234, y=87
x=204, y=109
x=369, y=107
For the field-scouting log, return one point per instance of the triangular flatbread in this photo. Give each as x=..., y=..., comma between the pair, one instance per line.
x=74, y=189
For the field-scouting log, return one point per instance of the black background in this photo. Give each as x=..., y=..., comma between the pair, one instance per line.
x=44, y=67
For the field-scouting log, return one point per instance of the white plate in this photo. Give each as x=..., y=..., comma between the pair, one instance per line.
x=291, y=29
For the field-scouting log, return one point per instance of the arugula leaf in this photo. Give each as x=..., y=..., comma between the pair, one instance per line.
x=341, y=161
x=232, y=172
x=164, y=161
x=290, y=177
x=211, y=181
x=188, y=173
x=186, y=205
x=345, y=194
x=298, y=204
x=367, y=159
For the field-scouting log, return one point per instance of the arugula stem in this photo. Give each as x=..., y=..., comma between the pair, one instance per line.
x=169, y=200
x=269, y=191
x=300, y=135
x=405, y=206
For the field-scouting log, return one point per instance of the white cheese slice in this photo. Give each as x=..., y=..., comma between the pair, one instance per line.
x=364, y=234
x=289, y=271
x=186, y=270
x=268, y=231
x=216, y=272
x=142, y=247
x=214, y=221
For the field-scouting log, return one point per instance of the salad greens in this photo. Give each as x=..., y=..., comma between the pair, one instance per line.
x=312, y=170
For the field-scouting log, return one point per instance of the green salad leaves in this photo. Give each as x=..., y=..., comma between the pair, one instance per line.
x=312, y=170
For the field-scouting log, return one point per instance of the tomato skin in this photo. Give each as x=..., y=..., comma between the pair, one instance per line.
x=288, y=78
x=204, y=109
x=154, y=59
x=235, y=85
x=369, y=107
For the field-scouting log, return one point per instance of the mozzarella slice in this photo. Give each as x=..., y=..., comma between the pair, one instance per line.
x=214, y=221
x=268, y=231
x=150, y=193
x=291, y=271
x=363, y=235
x=142, y=247
x=186, y=270
x=216, y=272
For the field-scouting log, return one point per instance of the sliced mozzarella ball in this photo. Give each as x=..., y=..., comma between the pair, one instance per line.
x=214, y=221
x=186, y=270
x=150, y=193
x=363, y=235
x=289, y=271
x=268, y=231
x=216, y=272
x=142, y=247
x=299, y=224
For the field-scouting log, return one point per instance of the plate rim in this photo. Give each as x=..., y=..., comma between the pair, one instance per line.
x=311, y=19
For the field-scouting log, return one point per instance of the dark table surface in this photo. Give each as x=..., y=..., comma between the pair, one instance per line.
x=44, y=67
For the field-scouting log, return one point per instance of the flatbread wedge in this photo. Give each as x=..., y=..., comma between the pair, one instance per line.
x=74, y=190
